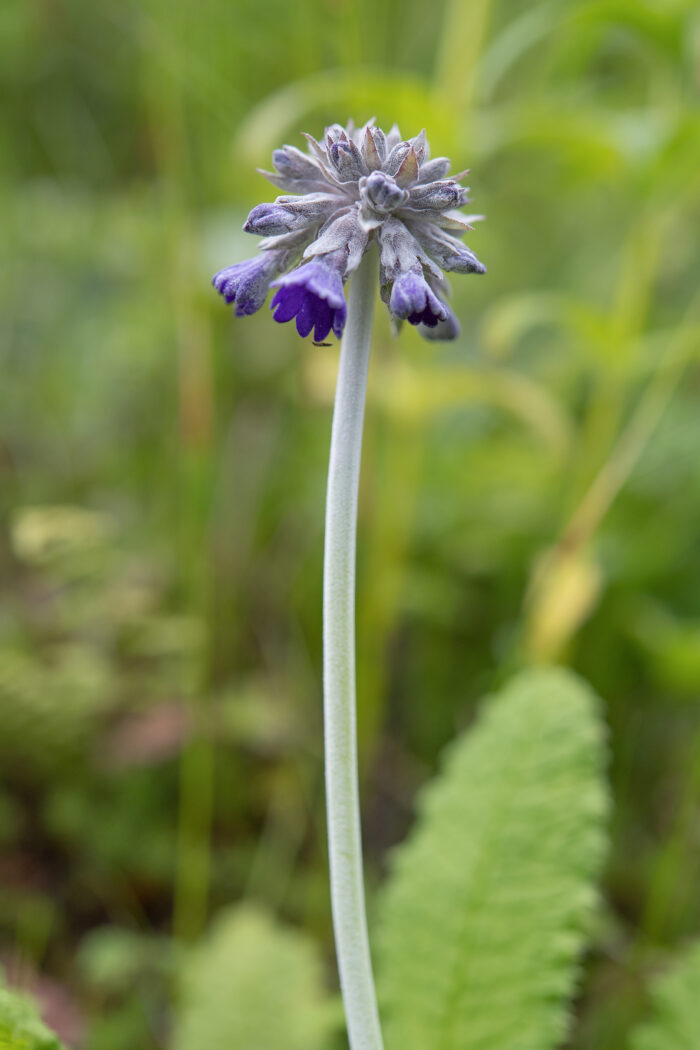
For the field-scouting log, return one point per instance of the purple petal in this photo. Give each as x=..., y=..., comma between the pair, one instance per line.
x=327, y=285
x=247, y=282
x=225, y=280
x=426, y=317
x=288, y=301
x=339, y=320
x=408, y=296
x=313, y=293
x=305, y=317
x=228, y=290
x=323, y=318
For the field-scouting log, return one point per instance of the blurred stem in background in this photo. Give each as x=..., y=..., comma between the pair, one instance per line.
x=673, y=878
x=398, y=455
x=639, y=264
x=462, y=38
x=569, y=562
x=681, y=349
x=340, y=730
x=195, y=401
x=464, y=29
x=197, y=762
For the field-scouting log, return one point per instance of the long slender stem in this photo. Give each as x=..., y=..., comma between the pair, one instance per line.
x=342, y=793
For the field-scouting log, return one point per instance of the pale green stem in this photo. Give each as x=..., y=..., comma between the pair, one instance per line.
x=342, y=792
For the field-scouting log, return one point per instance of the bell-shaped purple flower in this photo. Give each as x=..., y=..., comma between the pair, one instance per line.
x=313, y=293
x=413, y=300
x=247, y=283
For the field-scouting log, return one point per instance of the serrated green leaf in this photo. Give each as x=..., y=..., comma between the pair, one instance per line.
x=484, y=919
x=675, y=1020
x=20, y=1025
x=253, y=984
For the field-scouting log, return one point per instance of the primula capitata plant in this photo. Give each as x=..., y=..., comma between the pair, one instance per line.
x=358, y=191
x=359, y=197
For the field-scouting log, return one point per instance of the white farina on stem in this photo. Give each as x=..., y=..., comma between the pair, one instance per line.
x=342, y=794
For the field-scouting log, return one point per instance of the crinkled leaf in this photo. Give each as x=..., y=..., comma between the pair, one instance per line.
x=253, y=984
x=484, y=919
x=20, y=1025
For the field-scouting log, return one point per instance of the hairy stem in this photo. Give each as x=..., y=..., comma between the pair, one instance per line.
x=342, y=793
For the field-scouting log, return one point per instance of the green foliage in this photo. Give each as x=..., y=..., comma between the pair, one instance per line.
x=484, y=918
x=20, y=1026
x=49, y=712
x=675, y=1015
x=162, y=464
x=253, y=984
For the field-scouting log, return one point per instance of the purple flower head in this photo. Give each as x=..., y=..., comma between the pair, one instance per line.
x=313, y=293
x=355, y=189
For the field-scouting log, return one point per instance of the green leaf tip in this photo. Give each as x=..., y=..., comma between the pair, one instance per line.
x=20, y=1025
x=484, y=920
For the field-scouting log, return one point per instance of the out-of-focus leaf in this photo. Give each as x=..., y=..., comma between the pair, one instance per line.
x=675, y=1015
x=42, y=535
x=519, y=35
x=660, y=25
x=111, y=959
x=596, y=142
x=672, y=647
x=587, y=329
x=409, y=393
x=255, y=716
x=255, y=984
x=49, y=708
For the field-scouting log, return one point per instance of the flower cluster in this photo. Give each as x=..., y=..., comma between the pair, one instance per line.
x=356, y=187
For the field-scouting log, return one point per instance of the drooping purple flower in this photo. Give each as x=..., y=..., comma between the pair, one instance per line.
x=448, y=328
x=356, y=188
x=313, y=294
x=413, y=300
x=246, y=284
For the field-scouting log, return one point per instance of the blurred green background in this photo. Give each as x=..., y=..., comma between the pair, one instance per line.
x=530, y=493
